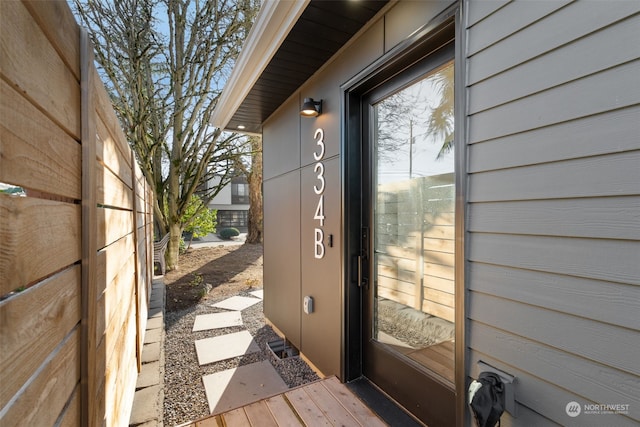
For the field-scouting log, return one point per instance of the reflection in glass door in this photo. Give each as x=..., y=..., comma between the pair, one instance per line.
x=414, y=223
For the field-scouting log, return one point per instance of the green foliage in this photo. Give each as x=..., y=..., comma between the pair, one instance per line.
x=13, y=191
x=228, y=233
x=198, y=219
x=197, y=280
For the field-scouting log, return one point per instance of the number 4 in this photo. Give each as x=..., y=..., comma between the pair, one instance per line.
x=319, y=215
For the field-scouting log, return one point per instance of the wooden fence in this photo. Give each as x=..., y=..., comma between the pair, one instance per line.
x=415, y=244
x=75, y=249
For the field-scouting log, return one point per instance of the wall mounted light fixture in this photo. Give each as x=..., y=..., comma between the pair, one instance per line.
x=311, y=108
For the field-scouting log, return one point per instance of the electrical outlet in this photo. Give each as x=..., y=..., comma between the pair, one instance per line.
x=307, y=304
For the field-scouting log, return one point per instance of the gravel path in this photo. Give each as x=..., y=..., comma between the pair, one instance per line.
x=184, y=395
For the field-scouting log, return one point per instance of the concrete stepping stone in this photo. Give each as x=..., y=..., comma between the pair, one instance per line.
x=258, y=294
x=240, y=386
x=214, y=349
x=236, y=303
x=227, y=319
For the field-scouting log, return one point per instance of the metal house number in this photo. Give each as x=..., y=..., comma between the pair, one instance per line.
x=319, y=190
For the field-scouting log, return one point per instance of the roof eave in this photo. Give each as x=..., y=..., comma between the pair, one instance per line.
x=273, y=23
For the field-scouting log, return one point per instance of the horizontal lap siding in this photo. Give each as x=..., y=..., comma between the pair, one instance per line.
x=553, y=272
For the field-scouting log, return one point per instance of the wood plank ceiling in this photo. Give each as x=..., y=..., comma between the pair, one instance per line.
x=323, y=28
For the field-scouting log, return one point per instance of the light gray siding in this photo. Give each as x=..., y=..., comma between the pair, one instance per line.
x=553, y=214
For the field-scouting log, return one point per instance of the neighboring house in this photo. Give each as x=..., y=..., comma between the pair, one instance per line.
x=232, y=204
x=434, y=249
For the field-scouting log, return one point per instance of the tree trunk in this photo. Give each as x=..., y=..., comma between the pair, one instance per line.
x=173, y=248
x=255, y=193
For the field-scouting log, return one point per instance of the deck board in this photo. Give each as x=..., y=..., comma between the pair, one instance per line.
x=322, y=403
x=282, y=412
x=353, y=404
x=259, y=413
x=306, y=408
x=439, y=358
x=330, y=407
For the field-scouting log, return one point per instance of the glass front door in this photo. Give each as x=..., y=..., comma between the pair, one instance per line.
x=413, y=222
x=409, y=318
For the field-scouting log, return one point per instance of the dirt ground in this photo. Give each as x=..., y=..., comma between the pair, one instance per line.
x=213, y=272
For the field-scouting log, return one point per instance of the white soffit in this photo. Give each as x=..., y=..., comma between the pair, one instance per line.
x=273, y=23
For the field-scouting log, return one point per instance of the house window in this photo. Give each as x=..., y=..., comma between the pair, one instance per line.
x=237, y=219
x=240, y=194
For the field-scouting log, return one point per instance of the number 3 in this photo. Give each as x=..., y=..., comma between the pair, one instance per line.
x=320, y=142
x=320, y=176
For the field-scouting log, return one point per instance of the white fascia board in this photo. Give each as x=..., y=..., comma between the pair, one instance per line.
x=273, y=23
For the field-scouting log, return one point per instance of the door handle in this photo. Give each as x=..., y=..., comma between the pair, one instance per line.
x=359, y=278
x=356, y=269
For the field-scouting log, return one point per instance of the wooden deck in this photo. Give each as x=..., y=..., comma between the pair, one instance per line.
x=322, y=403
x=439, y=358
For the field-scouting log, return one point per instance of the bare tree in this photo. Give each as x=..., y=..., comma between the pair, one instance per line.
x=409, y=110
x=253, y=172
x=164, y=63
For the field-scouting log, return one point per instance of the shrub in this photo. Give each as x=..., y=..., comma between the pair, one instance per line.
x=228, y=233
x=198, y=220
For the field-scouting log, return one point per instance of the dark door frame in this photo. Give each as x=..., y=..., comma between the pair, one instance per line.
x=441, y=31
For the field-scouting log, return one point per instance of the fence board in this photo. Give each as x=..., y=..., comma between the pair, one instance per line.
x=104, y=111
x=437, y=270
x=27, y=55
x=29, y=335
x=112, y=225
x=439, y=310
x=439, y=297
x=45, y=398
x=393, y=284
x=57, y=22
x=36, y=153
x=122, y=371
x=109, y=351
x=415, y=239
x=47, y=372
x=98, y=396
x=89, y=224
x=394, y=273
x=71, y=415
x=111, y=156
x=111, y=300
x=400, y=297
x=111, y=190
x=29, y=229
x=110, y=261
x=111, y=336
x=444, y=285
x=442, y=258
